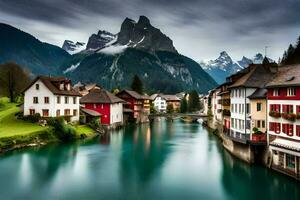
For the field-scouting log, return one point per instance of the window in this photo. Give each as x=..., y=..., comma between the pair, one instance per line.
x=287, y=108
x=298, y=130
x=297, y=109
x=275, y=107
x=37, y=86
x=258, y=123
x=248, y=124
x=58, y=99
x=74, y=112
x=45, y=112
x=31, y=111
x=57, y=113
x=272, y=126
x=74, y=100
x=248, y=110
x=290, y=161
x=46, y=100
x=240, y=108
x=232, y=123
x=258, y=106
x=67, y=112
x=35, y=100
x=276, y=92
x=263, y=123
x=66, y=100
x=291, y=92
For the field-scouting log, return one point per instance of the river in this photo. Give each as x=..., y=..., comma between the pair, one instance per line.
x=162, y=160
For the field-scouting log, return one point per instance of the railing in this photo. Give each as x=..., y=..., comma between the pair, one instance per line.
x=238, y=136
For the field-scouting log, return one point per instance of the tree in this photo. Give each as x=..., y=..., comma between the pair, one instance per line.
x=183, y=105
x=137, y=84
x=13, y=79
x=152, y=109
x=170, y=108
x=194, y=102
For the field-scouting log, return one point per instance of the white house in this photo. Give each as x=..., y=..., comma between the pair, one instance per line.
x=51, y=97
x=160, y=102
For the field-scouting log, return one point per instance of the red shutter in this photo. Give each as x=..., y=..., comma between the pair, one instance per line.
x=298, y=130
x=297, y=109
x=271, y=126
x=277, y=107
x=284, y=128
x=284, y=108
x=290, y=130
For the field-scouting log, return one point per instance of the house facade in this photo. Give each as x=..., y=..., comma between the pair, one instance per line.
x=106, y=104
x=52, y=97
x=172, y=100
x=284, y=120
x=258, y=116
x=160, y=102
x=136, y=105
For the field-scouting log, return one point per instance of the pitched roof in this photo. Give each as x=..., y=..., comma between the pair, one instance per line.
x=287, y=76
x=90, y=112
x=100, y=96
x=258, y=76
x=171, y=97
x=260, y=93
x=52, y=83
x=134, y=94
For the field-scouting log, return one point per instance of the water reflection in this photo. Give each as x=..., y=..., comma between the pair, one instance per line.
x=162, y=160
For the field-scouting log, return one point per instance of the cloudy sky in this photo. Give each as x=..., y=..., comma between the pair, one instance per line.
x=199, y=29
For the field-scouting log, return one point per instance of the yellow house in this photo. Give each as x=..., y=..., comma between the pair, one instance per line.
x=258, y=113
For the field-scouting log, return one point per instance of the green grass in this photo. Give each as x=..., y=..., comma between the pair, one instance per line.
x=85, y=129
x=10, y=126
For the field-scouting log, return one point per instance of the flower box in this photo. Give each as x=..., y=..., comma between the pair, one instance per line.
x=289, y=116
x=275, y=114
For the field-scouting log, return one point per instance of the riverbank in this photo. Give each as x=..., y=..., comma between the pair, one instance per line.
x=16, y=133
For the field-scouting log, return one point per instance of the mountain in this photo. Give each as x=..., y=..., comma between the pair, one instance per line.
x=72, y=47
x=141, y=49
x=100, y=40
x=29, y=52
x=224, y=66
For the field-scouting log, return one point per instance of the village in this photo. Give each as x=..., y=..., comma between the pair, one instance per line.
x=256, y=113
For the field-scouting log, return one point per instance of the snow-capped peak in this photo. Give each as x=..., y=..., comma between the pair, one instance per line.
x=72, y=47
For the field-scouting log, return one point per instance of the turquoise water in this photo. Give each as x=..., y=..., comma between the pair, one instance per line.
x=163, y=160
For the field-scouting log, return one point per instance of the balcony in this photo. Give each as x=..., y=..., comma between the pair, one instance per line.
x=238, y=136
x=259, y=139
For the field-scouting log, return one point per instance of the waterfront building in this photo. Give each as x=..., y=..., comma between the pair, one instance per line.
x=224, y=94
x=258, y=116
x=256, y=77
x=172, y=100
x=52, y=97
x=160, y=102
x=284, y=120
x=109, y=106
x=137, y=106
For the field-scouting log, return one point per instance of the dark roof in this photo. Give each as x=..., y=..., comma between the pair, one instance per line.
x=100, y=96
x=52, y=83
x=91, y=112
x=171, y=97
x=257, y=77
x=260, y=93
x=134, y=94
x=287, y=76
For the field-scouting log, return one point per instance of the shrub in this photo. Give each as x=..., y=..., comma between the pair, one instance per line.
x=64, y=131
x=32, y=118
x=95, y=123
x=51, y=121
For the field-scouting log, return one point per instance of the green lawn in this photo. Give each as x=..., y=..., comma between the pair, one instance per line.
x=10, y=126
x=84, y=129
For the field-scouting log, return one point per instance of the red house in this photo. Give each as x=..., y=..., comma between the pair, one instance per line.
x=108, y=105
x=284, y=120
x=136, y=104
